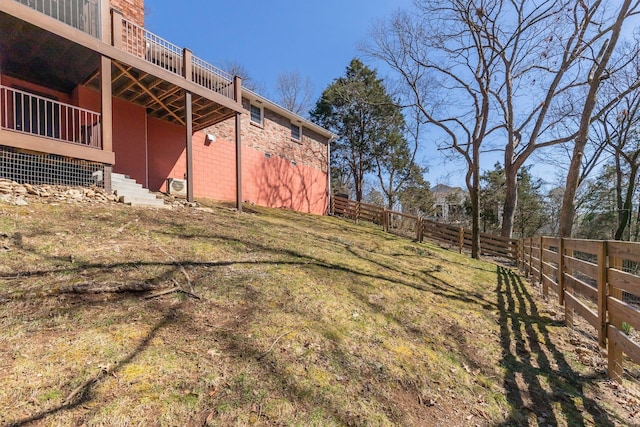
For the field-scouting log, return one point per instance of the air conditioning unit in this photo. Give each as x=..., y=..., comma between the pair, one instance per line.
x=177, y=187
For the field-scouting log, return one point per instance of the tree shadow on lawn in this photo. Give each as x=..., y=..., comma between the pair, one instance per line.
x=83, y=394
x=539, y=382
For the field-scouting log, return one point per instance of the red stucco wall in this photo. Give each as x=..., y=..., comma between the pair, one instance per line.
x=273, y=182
x=147, y=146
x=129, y=133
x=165, y=142
x=277, y=182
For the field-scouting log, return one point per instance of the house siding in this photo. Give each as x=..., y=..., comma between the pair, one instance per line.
x=274, y=138
x=277, y=171
x=293, y=176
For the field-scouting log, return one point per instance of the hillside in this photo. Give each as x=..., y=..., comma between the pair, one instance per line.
x=119, y=316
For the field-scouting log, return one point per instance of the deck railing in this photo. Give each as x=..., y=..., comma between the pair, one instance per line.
x=32, y=114
x=206, y=75
x=81, y=14
x=138, y=41
x=142, y=43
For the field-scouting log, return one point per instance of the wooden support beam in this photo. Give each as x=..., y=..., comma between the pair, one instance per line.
x=189, y=149
x=106, y=102
x=238, y=162
x=105, y=22
x=237, y=81
x=187, y=64
x=116, y=28
x=165, y=107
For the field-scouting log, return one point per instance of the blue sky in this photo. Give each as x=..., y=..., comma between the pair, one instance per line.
x=315, y=38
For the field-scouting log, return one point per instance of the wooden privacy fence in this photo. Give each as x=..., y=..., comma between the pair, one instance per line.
x=418, y=228
x=597, y=280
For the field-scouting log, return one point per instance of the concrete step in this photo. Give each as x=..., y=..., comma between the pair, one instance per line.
x=132, y=193
x=145, y=205
x=134, y=201
x=137, y=196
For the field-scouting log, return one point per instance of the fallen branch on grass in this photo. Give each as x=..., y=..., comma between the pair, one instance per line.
x=272, y=344
x=108, y=287
x=184, y=272
x=172, y=290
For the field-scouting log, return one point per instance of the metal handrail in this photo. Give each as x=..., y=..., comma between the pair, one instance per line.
x=25, y=112
x=81, y=14
x=142, y=43
x=212, y=78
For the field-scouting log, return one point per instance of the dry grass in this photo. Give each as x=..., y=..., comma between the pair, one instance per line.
x=302, y=321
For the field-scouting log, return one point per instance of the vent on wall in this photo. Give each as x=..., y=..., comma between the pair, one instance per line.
x=177, y=187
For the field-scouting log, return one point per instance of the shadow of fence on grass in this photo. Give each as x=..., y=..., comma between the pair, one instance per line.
x=540, y=385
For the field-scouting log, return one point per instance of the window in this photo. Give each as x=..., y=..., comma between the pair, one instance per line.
x=256, y=114
x=295, y=132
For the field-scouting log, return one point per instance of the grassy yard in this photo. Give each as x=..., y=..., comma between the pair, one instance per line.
x=301, y=321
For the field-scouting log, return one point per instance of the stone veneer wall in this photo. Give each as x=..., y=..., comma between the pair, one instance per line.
x=133, y=10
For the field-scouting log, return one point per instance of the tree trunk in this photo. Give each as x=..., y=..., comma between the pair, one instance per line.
x=510, y=199
x=567, y=213
x=474, y=193
x=625, y=212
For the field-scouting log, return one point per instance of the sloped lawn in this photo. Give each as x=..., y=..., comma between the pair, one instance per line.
x=277, y=318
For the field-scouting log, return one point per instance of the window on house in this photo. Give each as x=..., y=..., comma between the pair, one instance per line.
x=295, y=132
x=257, y=114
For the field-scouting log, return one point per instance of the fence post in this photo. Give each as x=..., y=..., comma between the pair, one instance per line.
x=615, y=292
x=568, y=311
x=530, y=256
x=545, y=286
x=614, y=351
x=332, y=208
x=602, y=294
x=385, y=222
x=357, y=213
x=419, y=230
x=561, y=271
x=461, y=238
x=614, y=361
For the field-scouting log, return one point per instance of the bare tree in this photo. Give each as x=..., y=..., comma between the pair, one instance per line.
x=534, y=59
x=546, y=76
x=620, y=128
x=294, y=92
x=238, y=69
x=448, y=69
x=598, y=72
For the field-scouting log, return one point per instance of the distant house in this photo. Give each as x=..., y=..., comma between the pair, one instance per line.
x=86, y=92
x=449, y=203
